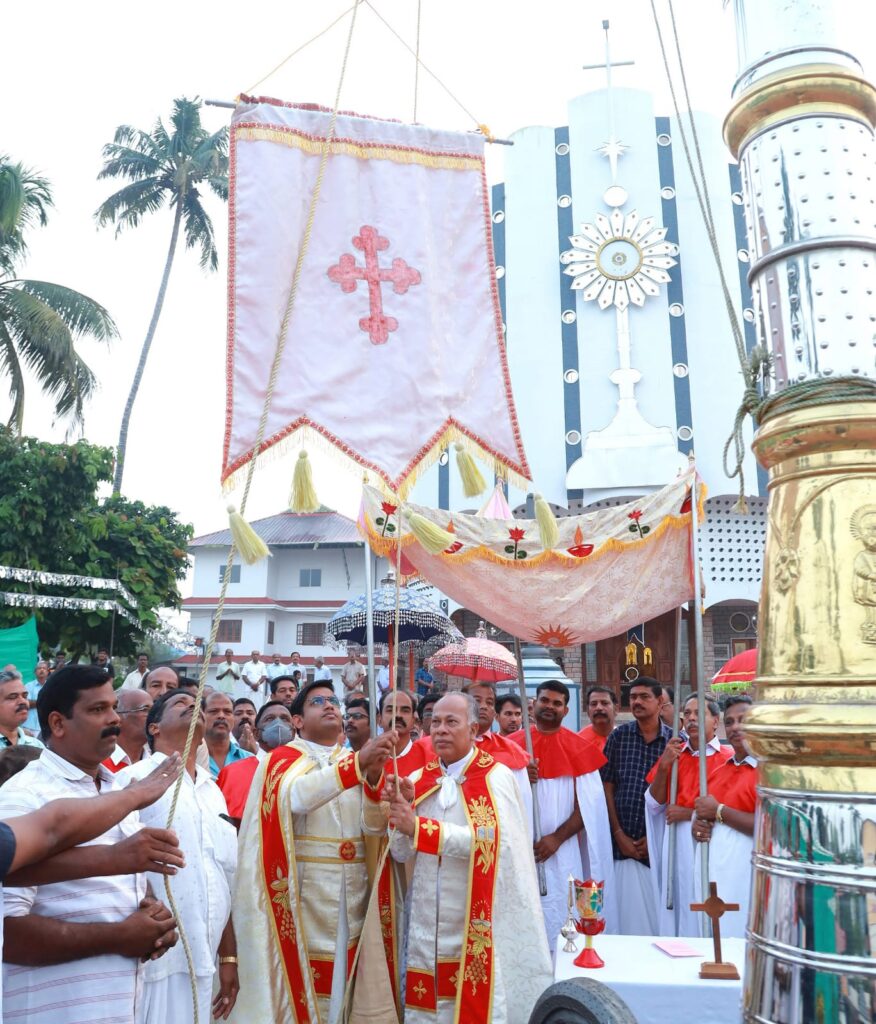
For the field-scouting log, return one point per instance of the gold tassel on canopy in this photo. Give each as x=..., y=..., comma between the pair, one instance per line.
x=430, y=536
x=250, y=545
x=548, y=531
x=304, y=497
x=472, y=479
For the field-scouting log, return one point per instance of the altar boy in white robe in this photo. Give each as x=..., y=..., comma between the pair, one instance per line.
x=474, y=894
x=576, y=835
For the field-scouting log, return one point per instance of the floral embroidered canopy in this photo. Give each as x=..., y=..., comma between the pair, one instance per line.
x=609, y=570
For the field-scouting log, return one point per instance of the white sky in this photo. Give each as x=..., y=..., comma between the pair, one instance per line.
x=72, y=72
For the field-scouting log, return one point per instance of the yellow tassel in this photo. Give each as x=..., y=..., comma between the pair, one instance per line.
x=429, y=536
x=250, y=545
x=304, y=497
x=472, y=480
x=741, y=506
x=548, y=531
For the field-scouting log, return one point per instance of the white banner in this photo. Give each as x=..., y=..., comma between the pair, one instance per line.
x=395, y=345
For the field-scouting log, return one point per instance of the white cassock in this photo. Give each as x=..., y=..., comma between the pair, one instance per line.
x=586, y=855
x=202, y=891
x=730, y=866
x=438, y=903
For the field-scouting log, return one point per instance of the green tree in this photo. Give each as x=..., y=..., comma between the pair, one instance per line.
x=164, y=167
x=40, y=322
x=52, y=520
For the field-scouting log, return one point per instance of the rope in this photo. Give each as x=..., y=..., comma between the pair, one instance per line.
x=420, y=63
x=251, y=90
x=809, y=394
x=226, y=579
x=417, y=60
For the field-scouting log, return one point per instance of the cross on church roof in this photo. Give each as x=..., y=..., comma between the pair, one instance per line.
x=613, y=149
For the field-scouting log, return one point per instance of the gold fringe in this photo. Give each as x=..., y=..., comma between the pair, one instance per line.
x=250, y=545
x=398, y=155
x=303, y=497
x=548, y=531
x=429, y=535
x=473, y=482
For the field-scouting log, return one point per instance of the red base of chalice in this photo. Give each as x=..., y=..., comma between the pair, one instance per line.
x=588, y=957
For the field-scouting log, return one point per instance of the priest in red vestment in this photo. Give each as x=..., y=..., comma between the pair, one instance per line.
x=576, y=836
x=725, y=819
x=601, y=710
x=397, y=710
x=659, y=814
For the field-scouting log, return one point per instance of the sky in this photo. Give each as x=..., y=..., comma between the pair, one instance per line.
x=70, y=76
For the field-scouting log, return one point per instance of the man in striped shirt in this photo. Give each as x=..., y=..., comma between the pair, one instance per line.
x=73, y=949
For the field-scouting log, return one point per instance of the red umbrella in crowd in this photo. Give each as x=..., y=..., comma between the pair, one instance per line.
x=738, y=673
x=476, y=658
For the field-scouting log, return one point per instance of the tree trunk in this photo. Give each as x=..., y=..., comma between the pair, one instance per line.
x=122, y=446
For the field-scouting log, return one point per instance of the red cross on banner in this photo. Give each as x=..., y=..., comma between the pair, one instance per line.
x=413, y=204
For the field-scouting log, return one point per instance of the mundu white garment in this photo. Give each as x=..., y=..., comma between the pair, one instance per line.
x=253, y=671
x=229, y=683
x=202, y=890
x=439, y=895
x=730, y=866
x=91, y=989
x=636, y=909
x=586, y=855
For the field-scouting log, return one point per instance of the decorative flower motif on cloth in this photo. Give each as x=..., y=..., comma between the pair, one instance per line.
x=280, y=899
x=555, y=636
x=347, y=273
x=483, y=820
x=478, y=941
x=420, y=990
x=428, y=826
x=271, y=784
x=384, y=521
x=516, y=535
x=347, y=851
x=635, y=525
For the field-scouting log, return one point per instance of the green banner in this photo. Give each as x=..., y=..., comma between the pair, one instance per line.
x=18, y=647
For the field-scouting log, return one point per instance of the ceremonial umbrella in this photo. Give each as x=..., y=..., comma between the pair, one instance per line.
x=476, y=658
x=738, y=673
x=419, y=620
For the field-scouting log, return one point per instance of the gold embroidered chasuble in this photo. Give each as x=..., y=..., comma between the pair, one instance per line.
x=482, y=834
x=302, y=889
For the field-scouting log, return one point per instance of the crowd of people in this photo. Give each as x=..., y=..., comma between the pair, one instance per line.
x=416, y=873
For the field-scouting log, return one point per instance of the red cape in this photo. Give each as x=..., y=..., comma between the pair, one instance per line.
x=499, y=747
x=592, y=736
x=689, y=774
x=561, y=753
x=735, y=785
x=235, y=781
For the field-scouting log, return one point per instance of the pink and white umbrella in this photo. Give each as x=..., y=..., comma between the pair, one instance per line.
x=476, y=658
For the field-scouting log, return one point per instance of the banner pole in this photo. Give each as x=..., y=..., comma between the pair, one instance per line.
x=369, y=640
x=673, y=778
x=536, y=814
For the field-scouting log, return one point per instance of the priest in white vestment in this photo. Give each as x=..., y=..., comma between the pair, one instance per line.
x=682, y=877
x=201, y=889
x=576, y=836
x=725, y=820
x=475, y=950
x=302, y=886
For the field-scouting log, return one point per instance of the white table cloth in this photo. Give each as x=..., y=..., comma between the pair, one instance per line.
x=657, y=987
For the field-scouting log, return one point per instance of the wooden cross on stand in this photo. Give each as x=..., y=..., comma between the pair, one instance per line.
x=714, y=907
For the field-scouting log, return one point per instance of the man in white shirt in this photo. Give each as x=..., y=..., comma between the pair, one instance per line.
x=14, y=707
x=296, y=666
x=228, y=675
x=352, y=674
x=321, y=672
x=134, y=680
x=202, y=889
x=276, y=668
x=41, y=674
x=73, y=950
x=383, y=677
x=254, y=678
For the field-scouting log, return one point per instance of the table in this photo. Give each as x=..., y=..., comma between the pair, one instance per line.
x=659, y=988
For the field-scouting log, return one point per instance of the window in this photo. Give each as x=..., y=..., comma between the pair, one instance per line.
x=310, y=634
x=235, y=573
x=310, y=578
x=270, y=632
x=229, y=631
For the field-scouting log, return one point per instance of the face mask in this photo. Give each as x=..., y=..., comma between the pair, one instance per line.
x=276, y=733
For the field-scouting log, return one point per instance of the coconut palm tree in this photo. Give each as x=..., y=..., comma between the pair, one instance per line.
x=165, y=167
x=40, y=322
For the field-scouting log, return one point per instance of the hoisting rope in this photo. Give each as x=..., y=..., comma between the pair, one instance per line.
x=226, y=579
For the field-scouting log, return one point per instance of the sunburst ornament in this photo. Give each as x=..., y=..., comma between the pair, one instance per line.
x=554, y=636
x=619, y=259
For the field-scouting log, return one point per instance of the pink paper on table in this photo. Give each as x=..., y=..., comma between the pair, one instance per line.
x=675, y=947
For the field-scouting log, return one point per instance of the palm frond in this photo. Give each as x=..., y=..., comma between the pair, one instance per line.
x=125, y=162
x=199, y=230
x=127, y=207
x=10, y=367
x=82, y=316
x=25, y=199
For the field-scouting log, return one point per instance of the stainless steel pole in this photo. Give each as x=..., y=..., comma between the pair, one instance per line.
x=369, y=639
x=673, y=778
x=536, y=814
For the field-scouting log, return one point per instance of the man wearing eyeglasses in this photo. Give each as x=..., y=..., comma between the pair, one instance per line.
x=14, y=706
x=133, y=709
x=305, y=839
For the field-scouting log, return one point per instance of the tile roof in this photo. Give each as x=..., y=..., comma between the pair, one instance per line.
x=292, y=529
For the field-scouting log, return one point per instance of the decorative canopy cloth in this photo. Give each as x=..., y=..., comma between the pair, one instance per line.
x=476, y=658
x=419, y=620
x=738, y=673
x=397, y=298
x=609, y=570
